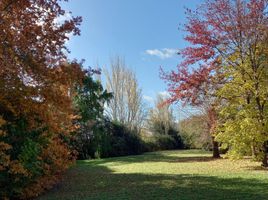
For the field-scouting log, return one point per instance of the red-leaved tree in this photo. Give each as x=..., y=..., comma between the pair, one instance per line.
x=217, y=30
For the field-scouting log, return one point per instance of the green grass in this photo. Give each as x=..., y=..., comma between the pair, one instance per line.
x=187, y=174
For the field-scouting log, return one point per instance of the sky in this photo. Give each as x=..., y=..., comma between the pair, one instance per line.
x=146, y=33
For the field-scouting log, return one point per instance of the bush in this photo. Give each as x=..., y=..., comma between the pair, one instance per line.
x=30, y=161
x=122, y=141
x=159, y=142
x=109, y=139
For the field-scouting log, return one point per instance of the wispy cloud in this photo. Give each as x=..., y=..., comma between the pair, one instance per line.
x=62, y=18
x=164, y=94
x=148, y=98
x=162, y=53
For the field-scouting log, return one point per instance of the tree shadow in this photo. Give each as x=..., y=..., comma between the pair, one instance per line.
x=93, y=180
x=101, y=183
x=151, y=157
x=195, y=159
x=257, y=168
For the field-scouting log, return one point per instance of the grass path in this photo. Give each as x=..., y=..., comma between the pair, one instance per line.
x=183, y=175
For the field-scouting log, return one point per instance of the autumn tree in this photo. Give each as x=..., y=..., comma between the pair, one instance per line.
x=217, y=30
x=196, y=87
x=36, y=89
x=240, y=129
x=195, y=132
x=126, y=106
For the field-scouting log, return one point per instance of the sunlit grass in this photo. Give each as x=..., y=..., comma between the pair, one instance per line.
x=185, y=175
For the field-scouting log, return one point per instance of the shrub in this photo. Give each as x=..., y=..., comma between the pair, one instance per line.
x=109, y=139
x=30, y=161
x=157, y=142
x=123, y=141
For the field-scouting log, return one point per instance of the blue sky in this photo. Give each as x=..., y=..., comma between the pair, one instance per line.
x=144, y=32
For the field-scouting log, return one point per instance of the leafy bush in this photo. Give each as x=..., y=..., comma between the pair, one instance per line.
x=110, y=139
x=32, y=160
x=157, y=142
x=124, y=141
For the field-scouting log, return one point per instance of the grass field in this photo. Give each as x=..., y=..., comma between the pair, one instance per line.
x=185, y=175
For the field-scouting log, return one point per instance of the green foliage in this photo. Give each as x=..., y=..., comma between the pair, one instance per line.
x=123, y=141
x=99, y=137
x=244, y=115
x=29, y=157
x=156, y=142
x=89, y=101
x=161, y=132
x=115, y=139
x=26, y=150
x=33, y=163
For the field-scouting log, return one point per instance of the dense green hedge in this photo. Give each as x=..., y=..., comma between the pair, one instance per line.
x=111, y=139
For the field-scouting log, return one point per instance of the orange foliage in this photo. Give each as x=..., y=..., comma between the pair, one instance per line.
x=36, y=91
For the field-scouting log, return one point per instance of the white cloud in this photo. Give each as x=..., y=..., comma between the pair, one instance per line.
x=148, y=98
x=164, y=94
x=162, y=53
x=62, y=18
x=57, y=21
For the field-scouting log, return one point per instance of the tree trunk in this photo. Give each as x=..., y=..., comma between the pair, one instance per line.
x=253, y=151
x=212, y=123
x=264, y=160
x=215, y=148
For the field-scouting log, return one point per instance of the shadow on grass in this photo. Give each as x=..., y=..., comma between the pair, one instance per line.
x=257, y=168
x=92, y=180
x=151, y=157
x=85, y=182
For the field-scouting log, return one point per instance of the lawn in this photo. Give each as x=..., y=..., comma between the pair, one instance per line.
x=187, y=174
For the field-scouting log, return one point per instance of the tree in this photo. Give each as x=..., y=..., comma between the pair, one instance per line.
x=217, y=31
x=161, y=118
x=195, y=132
x=242, y=127
x=90, y=100
x=161, y=123
x=196, y=87
x=126, y=106
x=36, y=85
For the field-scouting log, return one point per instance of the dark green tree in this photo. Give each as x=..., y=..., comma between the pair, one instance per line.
x=90, y=101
